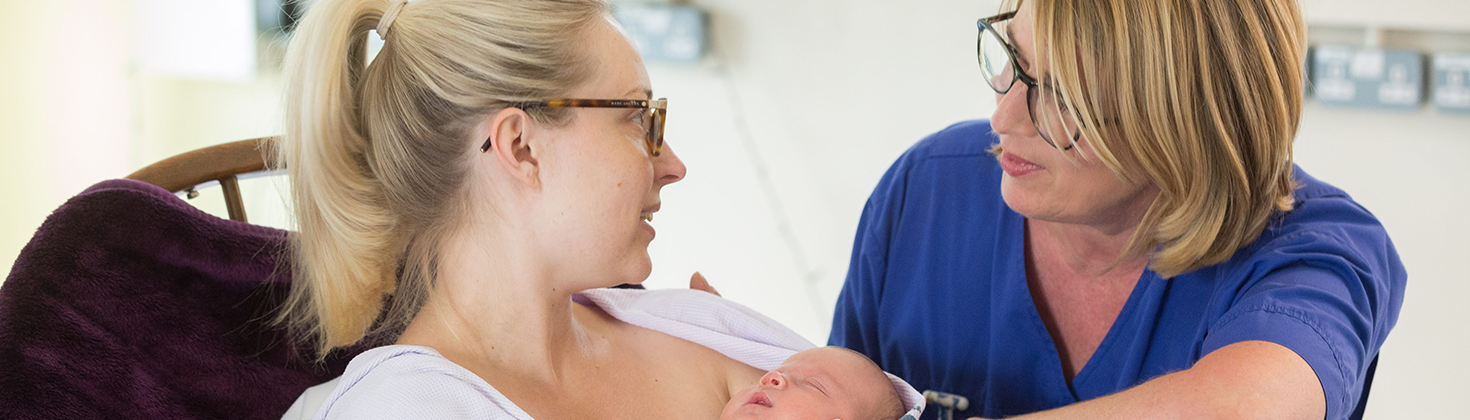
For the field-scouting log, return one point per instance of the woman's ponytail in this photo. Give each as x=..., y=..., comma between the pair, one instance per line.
x=344, y=250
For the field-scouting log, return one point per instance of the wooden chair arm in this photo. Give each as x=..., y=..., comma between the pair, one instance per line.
x=223, y=163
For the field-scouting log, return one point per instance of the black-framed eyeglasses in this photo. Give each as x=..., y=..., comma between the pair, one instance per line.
x=1001, y=67
x=655, y=112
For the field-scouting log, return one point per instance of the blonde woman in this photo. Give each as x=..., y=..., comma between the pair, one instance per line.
x=493, y=159
x=1127, y=236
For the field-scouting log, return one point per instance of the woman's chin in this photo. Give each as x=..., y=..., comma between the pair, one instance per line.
x=639, y=267
x=1019, y=198
x=633, y=268
x=1031, y=204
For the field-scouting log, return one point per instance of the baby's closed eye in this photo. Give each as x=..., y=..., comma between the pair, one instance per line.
x=818, y=385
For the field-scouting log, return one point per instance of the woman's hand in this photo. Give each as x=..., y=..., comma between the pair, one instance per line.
x=697, y=282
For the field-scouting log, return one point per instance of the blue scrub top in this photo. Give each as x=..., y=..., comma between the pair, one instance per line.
x=936, y=292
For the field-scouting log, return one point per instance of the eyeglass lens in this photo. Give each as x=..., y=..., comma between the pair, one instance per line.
x=655, y=123
x=1047, y=111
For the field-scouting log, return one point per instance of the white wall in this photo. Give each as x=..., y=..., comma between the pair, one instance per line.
x=65, y=107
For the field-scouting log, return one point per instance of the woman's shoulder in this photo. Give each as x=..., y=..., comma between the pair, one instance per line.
x=408, y=382
x=1326, y=229
x=1325, y=217
x=1320, y=204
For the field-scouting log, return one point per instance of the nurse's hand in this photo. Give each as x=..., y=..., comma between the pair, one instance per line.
x=697, y=282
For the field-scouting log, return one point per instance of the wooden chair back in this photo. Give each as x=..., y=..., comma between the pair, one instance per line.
x=224, y=163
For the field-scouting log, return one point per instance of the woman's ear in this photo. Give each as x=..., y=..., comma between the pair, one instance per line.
x=511, y=137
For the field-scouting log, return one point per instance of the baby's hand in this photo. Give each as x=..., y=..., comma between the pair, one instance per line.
x=697, y=282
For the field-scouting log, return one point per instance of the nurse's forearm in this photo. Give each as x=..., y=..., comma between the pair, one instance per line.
x=1250, y=380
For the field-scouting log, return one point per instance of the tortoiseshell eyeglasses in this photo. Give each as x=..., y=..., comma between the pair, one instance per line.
x=654, y=115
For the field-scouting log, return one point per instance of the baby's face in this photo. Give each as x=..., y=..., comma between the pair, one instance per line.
x=824, y=383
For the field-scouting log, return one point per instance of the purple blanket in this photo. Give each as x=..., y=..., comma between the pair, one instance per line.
x=131, y=304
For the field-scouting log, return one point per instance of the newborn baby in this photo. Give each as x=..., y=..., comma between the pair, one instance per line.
x=823, y=383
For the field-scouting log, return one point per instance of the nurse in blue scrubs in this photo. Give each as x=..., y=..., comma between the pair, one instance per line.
x=1127, y=236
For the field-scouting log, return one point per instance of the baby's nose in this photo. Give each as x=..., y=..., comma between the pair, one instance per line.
x=774, y=379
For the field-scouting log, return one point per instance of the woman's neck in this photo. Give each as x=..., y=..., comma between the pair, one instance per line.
x=1083, y=250
x=1095, y=248
x=495, y=307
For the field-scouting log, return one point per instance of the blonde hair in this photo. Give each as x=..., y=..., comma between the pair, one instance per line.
x=1200, y=98
x=378, y=153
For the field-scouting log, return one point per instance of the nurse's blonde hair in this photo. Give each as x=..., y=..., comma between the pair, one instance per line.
x=378, y=153
x=1200, y=98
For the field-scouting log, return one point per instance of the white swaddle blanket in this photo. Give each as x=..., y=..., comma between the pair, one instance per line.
x=421, y=375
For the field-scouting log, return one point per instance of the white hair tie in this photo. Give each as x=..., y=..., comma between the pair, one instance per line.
x=387, y=21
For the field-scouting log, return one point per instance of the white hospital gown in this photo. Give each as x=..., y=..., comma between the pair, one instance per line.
x=415, y=382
